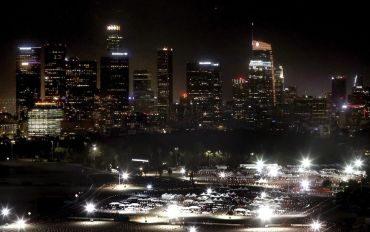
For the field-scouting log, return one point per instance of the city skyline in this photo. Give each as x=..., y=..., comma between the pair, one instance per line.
x=185, y=49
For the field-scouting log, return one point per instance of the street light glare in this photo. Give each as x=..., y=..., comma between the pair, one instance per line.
x=5, y=212
x=173, y=211
x=306, y=162
x=222, y=175
x=90, y=207
x=125, y=175
x=348, y=169
x=358, y=163
x=149, y=186
x=20, y=223
x=192, y=229
x=183, y=171
x=316, y=225
x=209, y=191
x=260, y=163
x=263, y=195
x=265, y=213
x=305, y=184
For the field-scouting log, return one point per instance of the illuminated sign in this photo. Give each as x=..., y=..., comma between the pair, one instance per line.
x=24, y=63
x=207, y=63
x=119, y=53
x=113, y=28
x=25, y=48
x=260, y=63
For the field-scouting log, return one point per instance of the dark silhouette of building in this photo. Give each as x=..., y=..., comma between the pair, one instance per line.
x=164, y=80
x=205, y=92
x=81, y=77
x=55, y=71
x=144, y=100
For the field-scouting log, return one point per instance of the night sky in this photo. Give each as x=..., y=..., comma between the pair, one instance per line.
x=312, y=41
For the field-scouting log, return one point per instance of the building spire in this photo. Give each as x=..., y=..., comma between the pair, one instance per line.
x=252, y=27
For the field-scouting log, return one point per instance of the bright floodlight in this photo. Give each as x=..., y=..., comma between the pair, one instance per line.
x=20, y=223
x=209, y=191
x=263, y=195
x=348, y=169
x=260, y=163
x=5, y=212
x=192, y=229
x=222, y=175
x=306, y=163
x=265, y=213
x=90, y=207
x=183, y=171
x=358, y=163
x=125, y=175
x=173, y=211
x=305, y=184
x=316, y=226
x=149, y=186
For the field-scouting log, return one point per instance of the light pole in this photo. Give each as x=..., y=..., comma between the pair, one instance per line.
x=52, y=150
x=12, y=142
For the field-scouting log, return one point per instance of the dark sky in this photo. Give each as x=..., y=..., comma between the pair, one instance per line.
x=311, y=39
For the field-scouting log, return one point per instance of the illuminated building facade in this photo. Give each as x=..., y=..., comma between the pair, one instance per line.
x=8, y=124
x=114, y=88
x=279, y=85
x=205, y=92
x=55, y=71
x=240, y=98
x=144, y=100
x=45, y=120
x=114, y=38
x=28, y=79
x=261, y=81
x=81, y=87
x=164, y=80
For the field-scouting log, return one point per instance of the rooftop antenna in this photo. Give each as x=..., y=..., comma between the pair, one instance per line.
x=252, y=27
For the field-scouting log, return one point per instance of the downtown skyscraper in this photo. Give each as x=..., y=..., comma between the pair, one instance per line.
x=55, y=71
x=204, y=90
x=338, y=91
x=261, y=82
x=81, y=78
x=28, y=79
x=240, y=97
x=144, y=101
x=164, y=80
x=114, y=80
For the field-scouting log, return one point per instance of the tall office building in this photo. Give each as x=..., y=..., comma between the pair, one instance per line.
x=261, y=81
x=338, y=91
x=240, y=98
x=114, y=38
x=81, y=87
x=279, y=85
x=164, y=80
x=114, y=88
x=144, y=100
x=28, y=79
x=55, y=71
x=204, y=90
